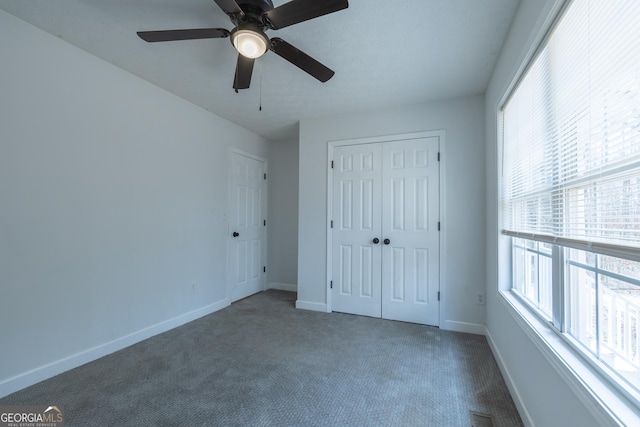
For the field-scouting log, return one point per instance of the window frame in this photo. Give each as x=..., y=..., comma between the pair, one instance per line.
x=605, y=402
x=594, y=383
x=536, y=305
x=558, y=326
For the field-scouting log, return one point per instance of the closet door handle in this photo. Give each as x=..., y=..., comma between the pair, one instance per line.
x=387, y=241
x=376, y=241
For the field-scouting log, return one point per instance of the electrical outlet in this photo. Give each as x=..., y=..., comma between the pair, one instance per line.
x=480, y=298
x=193, y=288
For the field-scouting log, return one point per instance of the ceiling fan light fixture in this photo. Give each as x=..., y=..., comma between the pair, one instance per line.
x=249, y=42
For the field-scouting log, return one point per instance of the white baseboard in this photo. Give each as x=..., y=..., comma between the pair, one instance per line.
x=283, y=287
x=49, y=370
x=313, y=306
x=515, y=395
x=467, y=328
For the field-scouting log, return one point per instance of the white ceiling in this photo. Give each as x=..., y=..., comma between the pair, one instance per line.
x=385, y=53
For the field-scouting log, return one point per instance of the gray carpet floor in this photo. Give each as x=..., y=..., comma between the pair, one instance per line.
x=261, y=362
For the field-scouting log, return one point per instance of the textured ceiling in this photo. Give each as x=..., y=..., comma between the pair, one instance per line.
x=385, y=53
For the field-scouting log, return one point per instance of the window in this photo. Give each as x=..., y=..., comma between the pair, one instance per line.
x=570, y=184
x=533, y=274
x=603, y=310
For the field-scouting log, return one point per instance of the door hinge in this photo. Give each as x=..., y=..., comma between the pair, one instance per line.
x=331, y=164
x=264, y=269
x=265, y=222
x=438, y=156
x=438, y=225
x=438, y=295
x=265, y=176
x=331, y=284
x=331, y=223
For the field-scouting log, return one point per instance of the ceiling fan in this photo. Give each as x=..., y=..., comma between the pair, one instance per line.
x=251, y=19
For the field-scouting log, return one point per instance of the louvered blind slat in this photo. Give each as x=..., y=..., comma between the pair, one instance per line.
x=571, y=132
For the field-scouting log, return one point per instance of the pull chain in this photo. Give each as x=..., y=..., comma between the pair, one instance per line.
x=235, y=80
x=260, y=108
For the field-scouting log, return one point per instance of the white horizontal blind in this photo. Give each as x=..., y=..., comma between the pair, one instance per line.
x=571, y=129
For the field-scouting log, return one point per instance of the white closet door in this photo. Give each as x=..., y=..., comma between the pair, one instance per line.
x=356, y=209
x=390, y=192
x=410, y=261
x=247, y=240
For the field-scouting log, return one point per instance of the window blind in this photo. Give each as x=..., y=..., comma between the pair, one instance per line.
x=571, y=133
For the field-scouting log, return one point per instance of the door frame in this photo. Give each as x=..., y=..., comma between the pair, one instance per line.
x=229, y=239
x=440, y=134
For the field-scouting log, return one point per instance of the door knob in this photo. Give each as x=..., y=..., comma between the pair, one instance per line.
x=236, y=234
x=376, y=241
x=387, y=241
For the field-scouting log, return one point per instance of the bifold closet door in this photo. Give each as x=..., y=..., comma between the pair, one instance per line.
x=410, y=215
x=357, y=204
x=385, y=237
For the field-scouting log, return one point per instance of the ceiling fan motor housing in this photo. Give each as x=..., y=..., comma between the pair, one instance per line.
x=253, y=13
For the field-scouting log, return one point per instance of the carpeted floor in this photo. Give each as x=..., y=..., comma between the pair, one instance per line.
x=261, y=362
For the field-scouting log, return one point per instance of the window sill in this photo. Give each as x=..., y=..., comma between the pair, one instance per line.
x=604, y=401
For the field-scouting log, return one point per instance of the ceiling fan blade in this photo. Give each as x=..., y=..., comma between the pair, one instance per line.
x=244, y=69
x=173, y=35
x=229, y=7
x=301, y=10
x=301, y=59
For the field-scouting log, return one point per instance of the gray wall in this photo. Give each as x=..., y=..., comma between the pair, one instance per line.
x=283, y=215
x=463, y=221
x=114, y=201
x=544, y=398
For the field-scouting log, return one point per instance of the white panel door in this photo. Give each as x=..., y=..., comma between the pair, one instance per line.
x=410, y=251
x=385, y=237
x=356, y=223
x=246, y=225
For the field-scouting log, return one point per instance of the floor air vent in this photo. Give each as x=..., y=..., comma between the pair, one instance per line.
x=481, y=420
